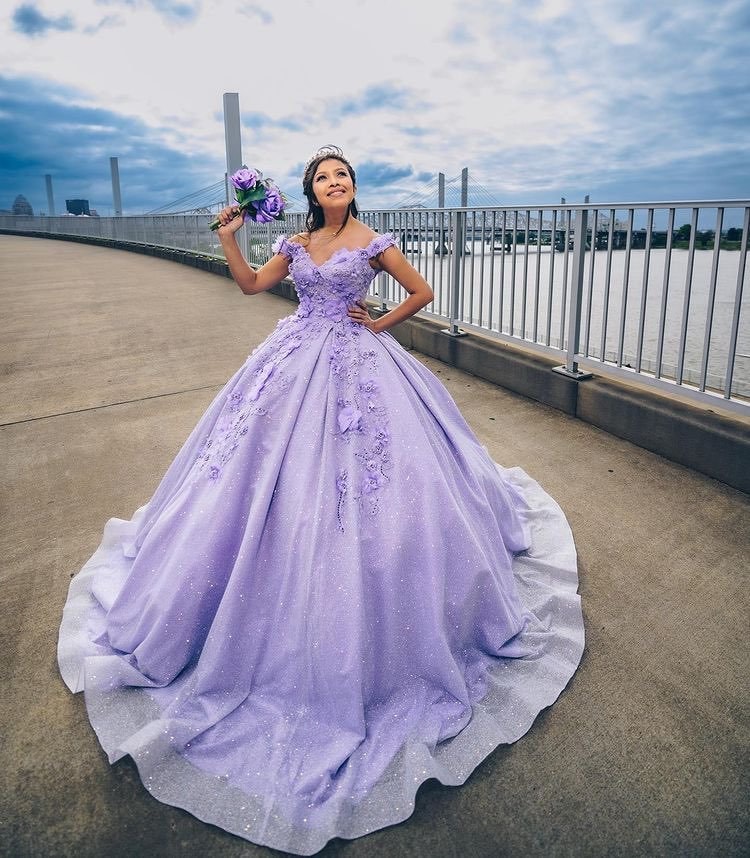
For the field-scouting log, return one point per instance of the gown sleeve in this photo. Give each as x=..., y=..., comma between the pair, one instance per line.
x=380, y=243
x=284, y=246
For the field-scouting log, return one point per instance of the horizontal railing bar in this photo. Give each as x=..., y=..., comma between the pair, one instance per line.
x=648, y=204
x=590, y=206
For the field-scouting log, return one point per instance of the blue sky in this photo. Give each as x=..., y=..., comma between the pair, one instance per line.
x=624, y=101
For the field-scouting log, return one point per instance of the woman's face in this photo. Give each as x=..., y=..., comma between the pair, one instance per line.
x=332, y=184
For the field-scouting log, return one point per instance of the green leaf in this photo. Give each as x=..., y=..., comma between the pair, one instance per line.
x=258, y=193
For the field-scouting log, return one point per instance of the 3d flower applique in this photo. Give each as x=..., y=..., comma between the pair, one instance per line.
x=369, y=355
x=372, y=481
x=348, y=418
x=235, y=400
x=381, y=438
x=260, y=379
x=334, y=308
x=232, y=423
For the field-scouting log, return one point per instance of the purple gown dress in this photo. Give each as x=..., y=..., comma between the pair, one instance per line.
x=333, y=595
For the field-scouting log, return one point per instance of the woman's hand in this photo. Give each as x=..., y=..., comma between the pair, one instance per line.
x=231, y=220
x=360, y=313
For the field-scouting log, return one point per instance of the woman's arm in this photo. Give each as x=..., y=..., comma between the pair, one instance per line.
x=250, y=281
x=393, y=261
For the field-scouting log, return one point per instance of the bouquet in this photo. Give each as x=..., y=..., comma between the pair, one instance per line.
x=259, y=199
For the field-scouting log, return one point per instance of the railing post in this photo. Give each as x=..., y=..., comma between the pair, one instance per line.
x=457, y=267
x=382, y=277
x=580, y=235
x=454, y=297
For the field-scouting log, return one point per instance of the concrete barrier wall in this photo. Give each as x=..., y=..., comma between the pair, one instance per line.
x=713, y=444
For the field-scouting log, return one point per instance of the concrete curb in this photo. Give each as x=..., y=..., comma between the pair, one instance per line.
x=713, y=444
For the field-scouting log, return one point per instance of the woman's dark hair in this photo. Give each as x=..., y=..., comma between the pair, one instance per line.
x=315, y=219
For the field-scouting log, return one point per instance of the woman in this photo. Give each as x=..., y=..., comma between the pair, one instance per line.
x=334, y=593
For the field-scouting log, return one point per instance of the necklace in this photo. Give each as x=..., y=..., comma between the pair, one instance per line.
x=328, y=235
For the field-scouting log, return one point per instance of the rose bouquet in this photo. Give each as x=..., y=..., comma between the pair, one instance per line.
x=259, y=199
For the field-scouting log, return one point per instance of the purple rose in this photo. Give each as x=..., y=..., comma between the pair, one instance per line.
x=245, y=179
x=271, y=207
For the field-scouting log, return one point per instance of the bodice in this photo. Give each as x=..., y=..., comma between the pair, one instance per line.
x=341, y=281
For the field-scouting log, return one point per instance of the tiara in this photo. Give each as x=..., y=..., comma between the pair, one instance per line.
x=325, y=152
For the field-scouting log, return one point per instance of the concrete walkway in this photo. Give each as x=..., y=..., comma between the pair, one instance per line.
x=109, y=358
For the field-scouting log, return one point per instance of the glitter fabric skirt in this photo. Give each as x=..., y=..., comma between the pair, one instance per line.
x=333, y=595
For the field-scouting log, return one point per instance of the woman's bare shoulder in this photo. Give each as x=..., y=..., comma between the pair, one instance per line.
x=364, y=233
x=302, y=238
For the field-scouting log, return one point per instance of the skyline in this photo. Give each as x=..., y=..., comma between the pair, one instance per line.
x=539, y=100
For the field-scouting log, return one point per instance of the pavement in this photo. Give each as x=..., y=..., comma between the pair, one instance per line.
x=108, y=359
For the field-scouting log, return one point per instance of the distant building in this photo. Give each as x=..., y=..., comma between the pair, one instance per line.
x=78, y=207
x=21, y=206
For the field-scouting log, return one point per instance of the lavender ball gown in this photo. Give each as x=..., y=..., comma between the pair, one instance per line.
x=333, y=595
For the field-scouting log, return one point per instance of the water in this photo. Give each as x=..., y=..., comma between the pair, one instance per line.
x=483, y=298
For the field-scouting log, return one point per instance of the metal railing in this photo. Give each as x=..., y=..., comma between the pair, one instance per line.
x=650, y=291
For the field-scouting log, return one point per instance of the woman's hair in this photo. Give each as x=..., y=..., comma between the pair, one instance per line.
x=315, y=219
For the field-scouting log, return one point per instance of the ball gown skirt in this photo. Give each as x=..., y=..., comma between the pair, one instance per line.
x=333, y=595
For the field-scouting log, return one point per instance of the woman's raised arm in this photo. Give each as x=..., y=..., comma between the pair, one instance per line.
x=250, y=281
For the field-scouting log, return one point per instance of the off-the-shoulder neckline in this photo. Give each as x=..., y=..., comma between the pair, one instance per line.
x=339, y=250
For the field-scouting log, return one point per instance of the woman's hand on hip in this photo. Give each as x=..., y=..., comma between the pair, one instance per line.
x=360, y=313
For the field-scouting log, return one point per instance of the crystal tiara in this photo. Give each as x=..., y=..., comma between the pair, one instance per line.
x=325, y=151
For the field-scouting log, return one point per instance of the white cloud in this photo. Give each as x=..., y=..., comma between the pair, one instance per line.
x=592, y=85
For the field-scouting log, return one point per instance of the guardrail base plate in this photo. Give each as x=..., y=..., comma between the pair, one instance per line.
x=578, y=375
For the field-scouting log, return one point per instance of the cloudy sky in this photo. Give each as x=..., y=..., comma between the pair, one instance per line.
x=625, y=101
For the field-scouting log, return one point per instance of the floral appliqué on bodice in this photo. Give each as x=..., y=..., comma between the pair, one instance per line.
x=325, y=293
